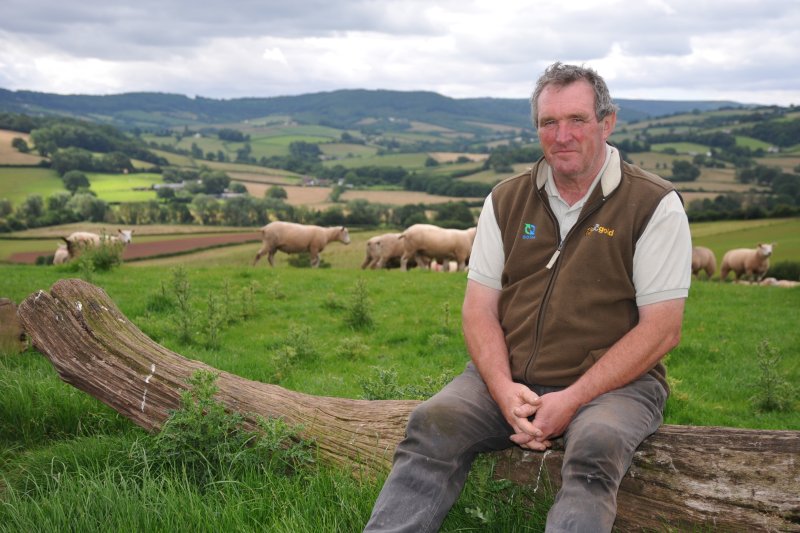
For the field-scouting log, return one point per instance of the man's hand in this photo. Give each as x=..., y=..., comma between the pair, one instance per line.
x=552, y=415
x=517, y=398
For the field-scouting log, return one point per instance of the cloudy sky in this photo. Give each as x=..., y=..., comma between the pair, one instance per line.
x=742, y=50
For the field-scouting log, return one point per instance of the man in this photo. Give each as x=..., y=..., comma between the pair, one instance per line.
x=578, y=277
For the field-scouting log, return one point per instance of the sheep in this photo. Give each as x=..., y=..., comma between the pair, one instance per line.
x=703, y=259
x=773, y=282
x=62, y=255
x=749, y=262
x=80, y=240
x=425, y=241
x=383, y=251
x=292, y=238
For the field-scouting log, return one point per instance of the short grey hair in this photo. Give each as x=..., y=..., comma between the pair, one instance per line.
x=561, y=75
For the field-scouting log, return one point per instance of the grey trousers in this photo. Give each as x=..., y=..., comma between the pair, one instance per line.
x=447, y=431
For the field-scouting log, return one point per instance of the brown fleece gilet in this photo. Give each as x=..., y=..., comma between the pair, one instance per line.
x=559, y=321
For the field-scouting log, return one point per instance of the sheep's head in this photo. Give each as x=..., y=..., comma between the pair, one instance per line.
x=765, y=250
x=125, y=235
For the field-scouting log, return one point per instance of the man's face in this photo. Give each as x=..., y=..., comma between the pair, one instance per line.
x=572, y=139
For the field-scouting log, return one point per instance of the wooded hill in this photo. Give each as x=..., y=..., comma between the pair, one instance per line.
x=340, y=109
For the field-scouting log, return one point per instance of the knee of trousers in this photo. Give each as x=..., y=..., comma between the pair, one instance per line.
x=436, y=430
x=597, y=450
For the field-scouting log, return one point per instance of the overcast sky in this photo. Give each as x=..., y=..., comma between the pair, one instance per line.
x=742, y=50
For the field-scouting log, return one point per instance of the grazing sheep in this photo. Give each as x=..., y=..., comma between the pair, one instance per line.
x=703, y=260
x=62, y=255
x=293, y=238
x=80, y=240
x=383, y=251
x=424, y=242
x=749, y=262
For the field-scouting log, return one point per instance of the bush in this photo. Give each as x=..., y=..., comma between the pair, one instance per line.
x=103, y=257
x=785, y=270
x=203, y=441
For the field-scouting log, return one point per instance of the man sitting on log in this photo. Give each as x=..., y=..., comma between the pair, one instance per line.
x=578, y=277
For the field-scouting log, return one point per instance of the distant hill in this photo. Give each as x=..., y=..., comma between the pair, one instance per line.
x=341, y=109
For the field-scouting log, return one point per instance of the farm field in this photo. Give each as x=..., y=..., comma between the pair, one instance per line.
x=289, y=326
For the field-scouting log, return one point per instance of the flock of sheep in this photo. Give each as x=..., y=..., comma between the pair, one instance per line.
x=428, y=246
x=420, y=244
x=749, y=265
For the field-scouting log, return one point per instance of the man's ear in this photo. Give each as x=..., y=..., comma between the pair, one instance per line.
x=609, y=122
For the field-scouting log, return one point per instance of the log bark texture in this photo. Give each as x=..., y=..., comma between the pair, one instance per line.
x=682, y=477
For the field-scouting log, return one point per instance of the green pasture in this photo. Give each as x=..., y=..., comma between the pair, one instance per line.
x=17, y=183
x=70, y=463
x=750, y=142
x=680, y=147
x=342, y=150
x=409, y=161
x=123, y=187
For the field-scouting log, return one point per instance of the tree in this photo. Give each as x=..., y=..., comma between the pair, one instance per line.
x=683, y=170
x=88, y=207
x=5, y=207
x=20, y=145
x=215, y=182
x=31, y=208
x=74, y=180
x=62, y=161
x=277, y=192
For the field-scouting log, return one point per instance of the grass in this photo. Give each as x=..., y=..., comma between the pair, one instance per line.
x=17, y=183
x=124, y=187
x=67, y=462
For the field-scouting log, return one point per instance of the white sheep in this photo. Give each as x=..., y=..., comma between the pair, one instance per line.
x=62, y=255
x=424, y=242
x=292, y=238
x=383, y=251
x=80, y=240
x=703, y=260
x=750, y=262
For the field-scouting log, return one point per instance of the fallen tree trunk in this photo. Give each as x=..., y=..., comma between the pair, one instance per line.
x=682, y=477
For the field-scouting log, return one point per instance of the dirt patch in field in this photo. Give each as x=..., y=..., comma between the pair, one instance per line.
x=167, y=246
x=10, y=155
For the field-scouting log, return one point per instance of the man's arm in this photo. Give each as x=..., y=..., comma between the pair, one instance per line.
x=487, y=348
x=658, y=331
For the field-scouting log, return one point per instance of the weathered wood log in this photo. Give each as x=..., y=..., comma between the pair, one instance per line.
x=682, y=477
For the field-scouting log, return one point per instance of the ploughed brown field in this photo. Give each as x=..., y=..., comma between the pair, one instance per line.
x=155, y=248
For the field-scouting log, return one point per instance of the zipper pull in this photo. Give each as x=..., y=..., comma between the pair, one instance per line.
x=555, y=255
x=553, y=259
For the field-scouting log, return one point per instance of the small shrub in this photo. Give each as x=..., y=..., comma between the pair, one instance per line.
x=184, y=317
x=773, y=392
x=359, y=315
x=785, y=270
x=382, y=384
x=352, y=348
x=213, y=321
x=204, y=442
x=249, y=300
x=103, y=257
x=303, y=260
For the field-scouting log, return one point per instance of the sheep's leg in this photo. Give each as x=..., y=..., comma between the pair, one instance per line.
x=404, y=262
x=259, y=254
x=314, y=259
x=271, y=257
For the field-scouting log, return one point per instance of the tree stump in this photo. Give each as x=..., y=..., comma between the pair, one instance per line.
x=682, y=477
